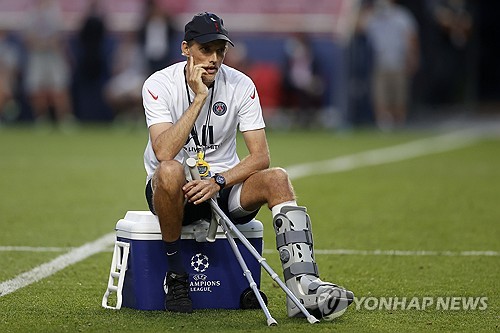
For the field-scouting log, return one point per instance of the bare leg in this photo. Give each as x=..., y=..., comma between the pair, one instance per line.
x=400, y=115
x=270, y=186
x=39, y=103
x=62, y=105
x=168, y=202
x=168, y=198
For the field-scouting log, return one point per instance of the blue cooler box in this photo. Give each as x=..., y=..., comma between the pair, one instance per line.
x=215, y=277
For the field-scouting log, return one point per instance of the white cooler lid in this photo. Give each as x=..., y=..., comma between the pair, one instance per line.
x=143, y=225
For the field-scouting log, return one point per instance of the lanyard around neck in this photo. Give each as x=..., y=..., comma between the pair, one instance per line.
x=194, y=132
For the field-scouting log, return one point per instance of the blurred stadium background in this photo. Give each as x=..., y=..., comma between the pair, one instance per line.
x=452, y=79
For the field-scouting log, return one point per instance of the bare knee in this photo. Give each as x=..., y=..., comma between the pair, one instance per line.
x=279, y=175
x=169, y=174
x=279, y=184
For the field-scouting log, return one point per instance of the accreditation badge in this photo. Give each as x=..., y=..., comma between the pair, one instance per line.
x=202, y=165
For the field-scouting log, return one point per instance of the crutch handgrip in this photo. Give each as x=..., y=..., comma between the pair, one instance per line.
x=214, y=224
x=193, y=170
x=195, y=174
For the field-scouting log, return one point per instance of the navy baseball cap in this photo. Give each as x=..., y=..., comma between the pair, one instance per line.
x=206, y=27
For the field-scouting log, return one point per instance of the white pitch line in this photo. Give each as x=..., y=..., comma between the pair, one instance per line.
x=402, y=253
x=443, y=143
x=59, y=263
x=316, y=251
x=405, y=151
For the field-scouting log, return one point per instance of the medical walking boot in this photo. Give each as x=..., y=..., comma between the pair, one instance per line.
x=294, y=242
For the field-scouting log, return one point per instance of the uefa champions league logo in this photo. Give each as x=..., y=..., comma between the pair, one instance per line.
x=199, y=281
x=332, y=303
x=199, y=262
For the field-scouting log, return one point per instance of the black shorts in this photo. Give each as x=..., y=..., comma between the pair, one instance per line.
x=194, y=212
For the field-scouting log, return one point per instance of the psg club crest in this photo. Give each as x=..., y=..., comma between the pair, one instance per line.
x=219, y=108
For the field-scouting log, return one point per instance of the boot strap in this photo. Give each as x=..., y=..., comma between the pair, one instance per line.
x=292, y=237
x=300, y=268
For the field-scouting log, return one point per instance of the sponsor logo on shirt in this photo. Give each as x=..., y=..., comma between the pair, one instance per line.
x=155, y=97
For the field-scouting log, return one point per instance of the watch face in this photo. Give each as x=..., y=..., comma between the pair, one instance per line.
x=220, y=180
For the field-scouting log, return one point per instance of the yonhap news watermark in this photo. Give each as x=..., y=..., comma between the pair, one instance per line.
x=445, y=303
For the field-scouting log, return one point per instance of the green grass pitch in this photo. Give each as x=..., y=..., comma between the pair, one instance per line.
x=64, y=190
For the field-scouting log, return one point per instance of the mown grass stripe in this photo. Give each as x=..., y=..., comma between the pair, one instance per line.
x=34, y=249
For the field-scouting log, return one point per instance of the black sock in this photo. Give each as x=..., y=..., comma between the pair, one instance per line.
x=174, y=257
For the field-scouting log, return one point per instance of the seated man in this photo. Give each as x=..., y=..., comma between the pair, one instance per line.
x=193, y=108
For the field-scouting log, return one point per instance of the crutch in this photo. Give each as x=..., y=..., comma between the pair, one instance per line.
x=191, y=162
x=229, y=227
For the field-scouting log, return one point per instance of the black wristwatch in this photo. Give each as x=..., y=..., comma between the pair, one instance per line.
x=220, y=180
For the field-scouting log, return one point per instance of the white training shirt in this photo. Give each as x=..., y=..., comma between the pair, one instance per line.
x=235, y=104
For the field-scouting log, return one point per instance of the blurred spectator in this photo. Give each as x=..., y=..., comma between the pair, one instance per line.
x=123, y=91
x=360, y=65
x=47, y=72
x=303, y=86
x=392, y=31
x=91, y=50
x=451, y=24
x=156, y=35
x=9, y=71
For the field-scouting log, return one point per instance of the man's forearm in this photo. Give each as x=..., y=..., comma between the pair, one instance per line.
x=247, y=167
x=170, y=142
